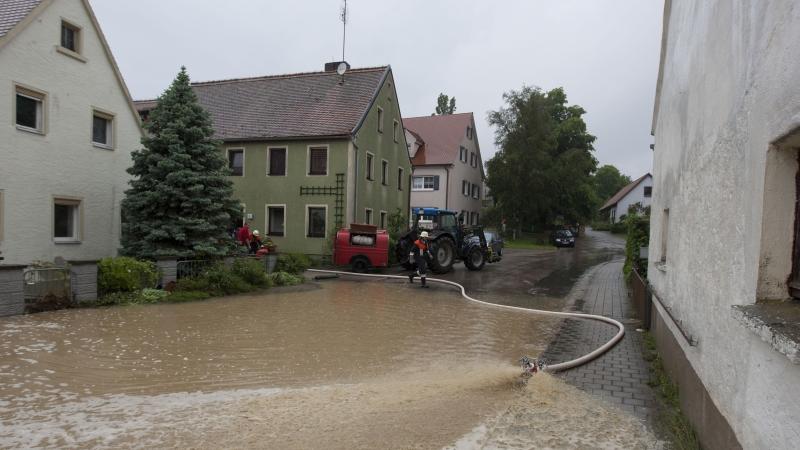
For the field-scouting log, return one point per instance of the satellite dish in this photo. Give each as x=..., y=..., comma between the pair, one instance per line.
x=341, y=68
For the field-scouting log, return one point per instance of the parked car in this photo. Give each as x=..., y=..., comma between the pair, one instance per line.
x=494, y=241
x=562, y=238
x=575, y=230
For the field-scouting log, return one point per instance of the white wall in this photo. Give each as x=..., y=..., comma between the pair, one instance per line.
x=63, y=162
x=636, y=195
x=435, y=199
x=730, y=88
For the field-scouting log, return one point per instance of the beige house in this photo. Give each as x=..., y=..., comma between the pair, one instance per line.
x=67, y=129
x=447, y=162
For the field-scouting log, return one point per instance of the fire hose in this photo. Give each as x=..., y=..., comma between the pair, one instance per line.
x=550, y=367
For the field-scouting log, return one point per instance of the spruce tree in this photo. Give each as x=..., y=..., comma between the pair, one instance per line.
x=180, y=201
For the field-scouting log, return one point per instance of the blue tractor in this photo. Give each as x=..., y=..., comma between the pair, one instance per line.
x=450, y=241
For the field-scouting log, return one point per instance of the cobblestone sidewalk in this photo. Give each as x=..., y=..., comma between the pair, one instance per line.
x=621, y=374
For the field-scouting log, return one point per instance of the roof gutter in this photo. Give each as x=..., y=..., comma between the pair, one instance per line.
x=287, y=138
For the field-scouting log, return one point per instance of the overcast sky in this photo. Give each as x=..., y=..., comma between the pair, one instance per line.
x=604, y=53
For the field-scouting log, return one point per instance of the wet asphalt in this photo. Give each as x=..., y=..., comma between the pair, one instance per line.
x=540, y=278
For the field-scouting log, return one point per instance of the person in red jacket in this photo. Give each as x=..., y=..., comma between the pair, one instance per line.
x=244, y=235
x=418, y=253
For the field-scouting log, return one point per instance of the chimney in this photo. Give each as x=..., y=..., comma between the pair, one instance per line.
x=331, y=66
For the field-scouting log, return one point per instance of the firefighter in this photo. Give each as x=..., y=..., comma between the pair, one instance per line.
x=418, y=254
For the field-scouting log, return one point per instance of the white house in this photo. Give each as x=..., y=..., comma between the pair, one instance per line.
x=448, y=168
x=639, y=191
x=67, y=129
x=724, y=240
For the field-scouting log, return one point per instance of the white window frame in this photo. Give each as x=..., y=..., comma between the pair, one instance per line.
x=380, y=119
x=474, y=190
x=368, y=216
x=266, y=219
x=385, y=172
x=41, y=112
x=384, y=219
x=228, y=151
x=111, y=129
x=77, y=232
x=395, y=128
x=400, y=176
x=463, y=153
x=369, y=166
x=423, y=188
x=469, y=132
x=285, y=162
x=308, y=161
x=308, y=206
x=78, y=30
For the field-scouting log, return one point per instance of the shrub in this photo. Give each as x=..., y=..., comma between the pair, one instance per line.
x=286, y=279
x=638, y=236
x=131, y=298
x=293, y=263
x=601, y=226
x=152, y=295
x=619, y=228
x=222, y=281
x=252, y=271
x=187, y=296
x=192, y=284
x=125, y=274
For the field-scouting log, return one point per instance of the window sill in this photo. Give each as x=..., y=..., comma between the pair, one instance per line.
x=71, y=54
x=30, y=130
x=776, y=323
x=661, y=266
x=276, y=174
x=422, y=190
x=318, y=237
x=103, y=146
x=317, y=174
x=68, y=242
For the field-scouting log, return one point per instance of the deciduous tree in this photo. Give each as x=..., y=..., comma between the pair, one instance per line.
x=445, y=105
x=608, y=181
x=180, y=200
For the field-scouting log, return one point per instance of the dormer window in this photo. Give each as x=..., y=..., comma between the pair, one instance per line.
x=70, y=37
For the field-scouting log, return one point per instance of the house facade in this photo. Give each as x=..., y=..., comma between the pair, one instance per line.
x=312, y=152
x=67, y=129
x=724, y=254
x=638, y=192
x=448, y=167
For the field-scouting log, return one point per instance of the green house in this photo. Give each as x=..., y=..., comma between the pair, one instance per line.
x=310, y=153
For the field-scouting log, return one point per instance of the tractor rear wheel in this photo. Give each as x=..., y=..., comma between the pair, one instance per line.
x=475, y=260
x=444, y=251
x=401, y=251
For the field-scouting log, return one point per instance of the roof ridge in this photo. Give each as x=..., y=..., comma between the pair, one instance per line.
x=439, y=115
x=288, y=75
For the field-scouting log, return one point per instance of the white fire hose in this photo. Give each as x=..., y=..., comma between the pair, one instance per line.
x=550, y=367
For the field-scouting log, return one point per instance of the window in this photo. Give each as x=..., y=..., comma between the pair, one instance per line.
x=463, y=217
x=277, y=162
x=316, y=217
x=385, y=172
x=425, y=183
x=469, y=133
x=395, y=129
x=648, y=191
x=368, y=215
x=318, y=160
x=475, y=191
x=70, y=37
x=465, y=188
x=236, y=161
x=380, y=120
x=102, y=129
x=383, y=220
x=66, y=220
x=1, y=215
x=399, y=178
x=462, y=155
x=30, y=110
x=276, y=220
x=370, y=171
x=477, y=218
x=664, y=235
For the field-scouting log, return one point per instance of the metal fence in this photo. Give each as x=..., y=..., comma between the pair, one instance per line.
x=41, y=283
x=193, y=267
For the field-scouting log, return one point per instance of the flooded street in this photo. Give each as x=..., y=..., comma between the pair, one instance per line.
x=332, y=364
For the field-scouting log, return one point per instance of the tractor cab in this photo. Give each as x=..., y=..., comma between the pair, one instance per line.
x=434, y=219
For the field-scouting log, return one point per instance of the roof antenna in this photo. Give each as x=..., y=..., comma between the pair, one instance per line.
x=343, y=17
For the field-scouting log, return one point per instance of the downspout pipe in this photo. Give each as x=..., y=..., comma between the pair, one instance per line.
x=566, y=365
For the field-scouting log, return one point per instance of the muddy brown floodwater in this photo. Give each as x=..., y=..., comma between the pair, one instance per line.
x=337, y=364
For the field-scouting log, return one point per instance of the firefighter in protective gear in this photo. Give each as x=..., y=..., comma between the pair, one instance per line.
x=418, y=253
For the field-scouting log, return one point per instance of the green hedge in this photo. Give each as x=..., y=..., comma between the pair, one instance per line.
x=125, y=274
x=293, y=263
x=638, y=229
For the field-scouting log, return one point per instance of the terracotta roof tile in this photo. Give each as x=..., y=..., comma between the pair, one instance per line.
x=13, y=11
x=623, y=192
x=442, y=136
x=287, y=106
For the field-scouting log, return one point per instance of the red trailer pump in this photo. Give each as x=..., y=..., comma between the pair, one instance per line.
x=361, y=247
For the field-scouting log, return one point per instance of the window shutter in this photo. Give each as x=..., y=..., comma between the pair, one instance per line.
x=436, y=183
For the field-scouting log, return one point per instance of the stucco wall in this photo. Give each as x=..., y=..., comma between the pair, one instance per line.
x=36, y=168
x=729, y=90
x=464, y=171
x=634, y=196
x=436, y=198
